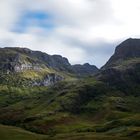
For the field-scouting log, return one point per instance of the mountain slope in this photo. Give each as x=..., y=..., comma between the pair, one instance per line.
x=123, y=68
x=24, y=58
x=14, y=133
x=129, y=49
x=22, y=66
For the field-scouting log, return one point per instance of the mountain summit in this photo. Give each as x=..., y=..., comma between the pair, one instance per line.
x=128, y=49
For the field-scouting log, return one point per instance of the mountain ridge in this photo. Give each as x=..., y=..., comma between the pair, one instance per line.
x=36, y=68
x=53, y=61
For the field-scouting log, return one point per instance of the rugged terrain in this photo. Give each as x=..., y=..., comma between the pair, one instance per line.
x=48, y=96
x=24, y=67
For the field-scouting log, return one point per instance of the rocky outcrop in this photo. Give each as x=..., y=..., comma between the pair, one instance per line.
x=23, y=67
x=49, y=79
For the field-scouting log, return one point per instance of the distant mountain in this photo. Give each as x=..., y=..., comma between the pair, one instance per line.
x=23, y=58
x=85, y=69
x=123, y=68
x=38, y=68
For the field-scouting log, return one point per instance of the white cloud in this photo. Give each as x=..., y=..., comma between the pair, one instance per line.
x=79, y=25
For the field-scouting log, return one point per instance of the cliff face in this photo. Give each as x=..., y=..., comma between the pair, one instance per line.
x=48, y=80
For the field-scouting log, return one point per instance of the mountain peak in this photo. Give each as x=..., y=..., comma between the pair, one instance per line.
x=128, y=49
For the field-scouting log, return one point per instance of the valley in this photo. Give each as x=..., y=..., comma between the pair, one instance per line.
x=45, y=97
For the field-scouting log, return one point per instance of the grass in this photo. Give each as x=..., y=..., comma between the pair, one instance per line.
x=86, y=109
x=91, y=136
x=127, y=63
x=15, y=133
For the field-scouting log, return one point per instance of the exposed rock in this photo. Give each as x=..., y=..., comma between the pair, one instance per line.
x=48, y=80
x=23, y=67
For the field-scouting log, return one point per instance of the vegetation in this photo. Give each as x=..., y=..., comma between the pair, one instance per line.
x=105, y=106
x=14, y=133
x=83, y=108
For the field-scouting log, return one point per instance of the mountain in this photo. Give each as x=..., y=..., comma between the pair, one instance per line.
x=129, y=49
x=85, y=69
x=18, y=59
x=123, y=68
x=27, y=67
x=101, y=106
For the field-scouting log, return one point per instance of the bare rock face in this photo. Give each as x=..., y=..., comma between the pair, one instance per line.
x=23, y=67
x=48, y=80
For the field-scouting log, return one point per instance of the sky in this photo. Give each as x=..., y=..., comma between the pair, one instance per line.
x=81, y=30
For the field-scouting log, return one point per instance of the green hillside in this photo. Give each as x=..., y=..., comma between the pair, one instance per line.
x=14, y=133
x=84, y=107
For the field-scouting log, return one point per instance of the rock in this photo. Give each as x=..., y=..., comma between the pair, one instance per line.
x=48, y=80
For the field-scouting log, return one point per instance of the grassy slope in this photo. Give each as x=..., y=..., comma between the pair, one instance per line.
x=84, y=109
x=14, y=133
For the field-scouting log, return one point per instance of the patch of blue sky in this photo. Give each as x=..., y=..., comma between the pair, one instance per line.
x=34, y=19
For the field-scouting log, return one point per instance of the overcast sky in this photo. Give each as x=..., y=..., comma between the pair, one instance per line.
x=81, y=30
